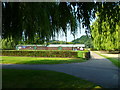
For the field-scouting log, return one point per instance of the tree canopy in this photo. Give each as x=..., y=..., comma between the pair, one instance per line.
x=45, y=19
x=107, y=39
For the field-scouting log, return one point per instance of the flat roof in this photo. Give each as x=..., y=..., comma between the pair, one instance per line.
x=66, y=45
x=59, y=45
x=30, y=45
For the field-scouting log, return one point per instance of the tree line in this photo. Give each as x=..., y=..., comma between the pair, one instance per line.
x=107, y=38
x=41, y=21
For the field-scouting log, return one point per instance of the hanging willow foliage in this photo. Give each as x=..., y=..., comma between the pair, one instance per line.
x=48, y=18
x=105, y=40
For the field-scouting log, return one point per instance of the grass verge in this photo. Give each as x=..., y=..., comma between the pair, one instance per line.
x=115, y=61
x=13, y=78
x=39, y=60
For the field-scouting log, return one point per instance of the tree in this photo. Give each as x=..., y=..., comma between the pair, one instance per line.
x=7, y=43
x=107, y=39
x=46, y=19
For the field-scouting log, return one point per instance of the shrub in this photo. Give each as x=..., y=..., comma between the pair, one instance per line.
x=47, y=53
x=84, y=54
x=40, y=53
x=87, y=55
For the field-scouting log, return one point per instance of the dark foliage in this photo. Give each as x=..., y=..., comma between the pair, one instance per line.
x=46, y=19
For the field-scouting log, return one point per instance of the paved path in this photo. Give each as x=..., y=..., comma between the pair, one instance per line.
x=98, y=70
x=109, y=55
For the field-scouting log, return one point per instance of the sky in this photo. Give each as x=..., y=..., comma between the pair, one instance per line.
x=70, y=37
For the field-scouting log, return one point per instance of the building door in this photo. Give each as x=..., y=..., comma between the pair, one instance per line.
x=35, y=47
x=59, y=48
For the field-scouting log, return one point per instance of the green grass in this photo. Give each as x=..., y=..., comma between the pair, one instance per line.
x=115, y=61
x=12, y=78
x=38, y=60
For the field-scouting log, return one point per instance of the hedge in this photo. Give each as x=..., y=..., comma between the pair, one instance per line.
x=84, y=54
x=47, y=53
x=40, y=53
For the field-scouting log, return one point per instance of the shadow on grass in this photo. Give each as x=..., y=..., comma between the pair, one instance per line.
x=13, y=78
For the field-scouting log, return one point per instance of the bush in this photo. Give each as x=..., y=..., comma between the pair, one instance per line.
x=84, y=54
x=46, y=53
x=87, y=55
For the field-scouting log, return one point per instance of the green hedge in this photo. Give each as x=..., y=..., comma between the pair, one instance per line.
x=40, y=53
x=84, y=54
x=47, y=53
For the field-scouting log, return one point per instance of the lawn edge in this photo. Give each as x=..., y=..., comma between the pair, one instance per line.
x=110, y=59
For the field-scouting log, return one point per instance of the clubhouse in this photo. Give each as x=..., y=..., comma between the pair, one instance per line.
x=52, y=47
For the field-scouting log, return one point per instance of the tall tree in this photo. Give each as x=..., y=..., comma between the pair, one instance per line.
x=107, y=39
x=48, y=18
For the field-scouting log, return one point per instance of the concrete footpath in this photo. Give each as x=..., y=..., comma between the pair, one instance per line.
x=98, y=70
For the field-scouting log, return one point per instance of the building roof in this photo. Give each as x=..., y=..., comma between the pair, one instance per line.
x=59, y=45
x=30, y=45
x=66, y=45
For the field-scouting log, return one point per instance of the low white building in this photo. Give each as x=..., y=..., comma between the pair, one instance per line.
x=53, y=47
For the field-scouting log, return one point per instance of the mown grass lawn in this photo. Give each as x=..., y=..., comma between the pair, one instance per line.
x=12, y=78
x=39, y=60
x=115, y=61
